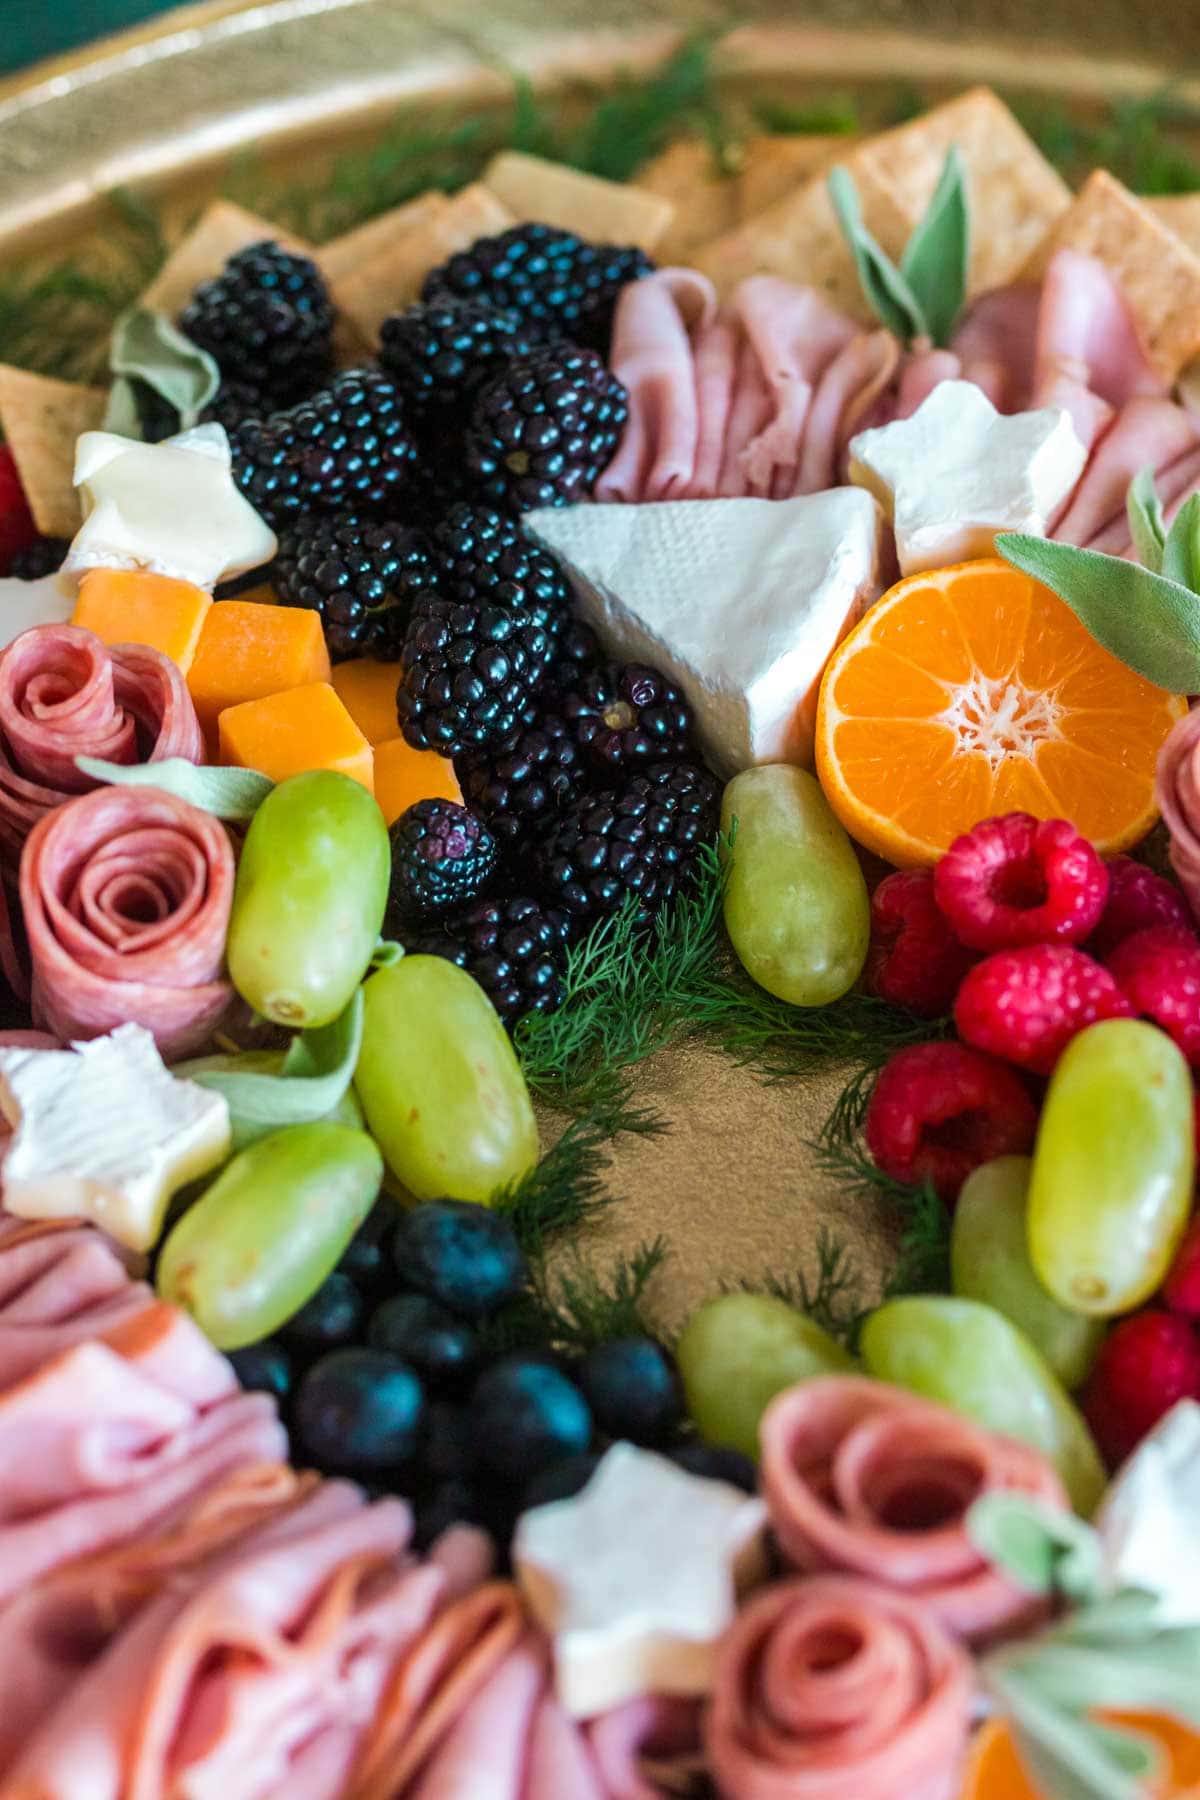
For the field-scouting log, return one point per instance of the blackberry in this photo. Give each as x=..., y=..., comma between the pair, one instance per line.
x=519, y=786
x=640, y=839
x=268, y=321
x=577, y=654
x=626, y=716
x=440, y=351
x=350, y=446
x=559, y=285
x=43, y=557
x=545, y=428
x=361, y=575
x=469, y=673
x=233, y=403
x=442, y=856
x=515, y=949
x=485, y=556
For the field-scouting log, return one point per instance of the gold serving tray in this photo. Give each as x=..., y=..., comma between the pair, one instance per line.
x=170, y=106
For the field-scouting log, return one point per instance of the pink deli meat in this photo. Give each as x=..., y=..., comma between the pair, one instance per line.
x=1178, y=792
x=126, y=894
x=868, y=1480
x=63, y=694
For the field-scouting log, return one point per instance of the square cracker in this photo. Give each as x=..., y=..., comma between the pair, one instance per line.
x=1158, y=274
x=1182, y=213
x=547, y=193
x=41, y=420
x=1014, y=194
x=340, y=256
x=221, y=231
x=392, y=278
x=773, y=165
x=705, y=199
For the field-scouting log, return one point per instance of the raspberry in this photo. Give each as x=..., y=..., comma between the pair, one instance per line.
x=1026, y=1005
x=17, y=529
x=1137, y=900
x=1145, y=1365
x=939, y=1110
x=1181, y=1289
x=915, y=960
x=1014, y=880
x=1158, y=971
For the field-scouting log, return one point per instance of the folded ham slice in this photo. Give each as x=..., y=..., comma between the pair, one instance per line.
x=864, y=1478
x=652, y=355
x=126, y=894
x=1147, y=433
x=63, y=694
x=834, y=1688
x=1178, y=792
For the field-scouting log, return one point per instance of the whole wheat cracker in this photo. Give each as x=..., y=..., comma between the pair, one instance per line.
x=220, y=232
x=40, y=419
x=392, y=278
x=704, y=197
x=548, y=193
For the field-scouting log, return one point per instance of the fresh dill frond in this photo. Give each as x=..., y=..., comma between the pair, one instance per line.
x=838, y=116
x=783, y=1041
x=583, y=1307
x=566, y=1189
x=832, y=1297
x=923, y=1253
x=1132, y=137
x=639, y=117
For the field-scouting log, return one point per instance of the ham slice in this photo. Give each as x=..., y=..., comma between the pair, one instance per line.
x=652, y=358
x=851, y=394
x=1146, y=433
x=63, y=694
x=864, y=1478
x=652, y=1735
x=793, y=335
x=1178, y=789
x=834, y=1688
x=126, y=894
x=995, y=342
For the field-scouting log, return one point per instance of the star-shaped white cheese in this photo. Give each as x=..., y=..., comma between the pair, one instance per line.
x=740, y=601
x=23, y=604
x=1149, y=1520
x=957, y=472
x=105, y=1131
x=171, y=508
x=637, y=1577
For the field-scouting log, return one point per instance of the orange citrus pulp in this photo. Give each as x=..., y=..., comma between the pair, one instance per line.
x=995, y=1771
x=973, y=690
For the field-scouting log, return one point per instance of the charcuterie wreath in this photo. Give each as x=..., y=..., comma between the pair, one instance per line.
x=757, y=604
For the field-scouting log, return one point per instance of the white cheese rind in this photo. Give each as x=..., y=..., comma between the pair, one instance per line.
x=24, y=604
x=957, y=472
x=171, y=508
x=741, y=602
x=105, y=1131
x=1149, y=1519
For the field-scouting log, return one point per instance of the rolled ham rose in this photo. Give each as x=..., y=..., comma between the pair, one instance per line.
x=126, y=894
x=866, y=1479
x=63, y=694
x=1179, y=802
x=834, y=1688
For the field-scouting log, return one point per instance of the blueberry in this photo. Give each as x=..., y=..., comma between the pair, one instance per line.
x=365, y=1259
x=264, y=1367
x=718, y=1464
x=633, y=1390
x=463, y=1255
x=442, y=1348
x=528, y=1416
x=452, y=1502
x=358, y=1411
x=333, y=1316
x=561, y=1481
x=448, y=1447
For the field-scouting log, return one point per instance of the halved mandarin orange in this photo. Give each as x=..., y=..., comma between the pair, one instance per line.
x=973, y=690
x=995, y=1771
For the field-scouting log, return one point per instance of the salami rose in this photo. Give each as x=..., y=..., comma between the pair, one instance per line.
x=1179, y=800
x=833, y=1688
x=126, y=894
x=864, y=1478
x=63, y=694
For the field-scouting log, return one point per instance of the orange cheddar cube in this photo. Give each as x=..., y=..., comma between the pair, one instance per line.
x=404, y=775
x=248, y=650
x=301, y=728
x=129, y=606
x=368, y=692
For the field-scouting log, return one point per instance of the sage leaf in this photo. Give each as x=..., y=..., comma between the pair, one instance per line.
x=233, y=794
x=1149, y=621
x=267, y=1090
x=1069, y=1755
x=1181, y=552
x=121, y=413
x=1044, y=1549
x=886, y=289
x=935, y=258
x=147, y=347
x=1146, y=526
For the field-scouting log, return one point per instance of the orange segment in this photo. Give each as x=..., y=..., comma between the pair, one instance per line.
x=971, y=691
x=995, y=1771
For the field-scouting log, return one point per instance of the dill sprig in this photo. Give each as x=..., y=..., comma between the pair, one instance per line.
x=566, y=1189
x=579, y=1306
x=923, y=1252
x=832, y=1297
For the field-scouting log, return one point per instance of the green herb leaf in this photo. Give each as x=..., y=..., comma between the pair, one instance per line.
x=267, y=1090
x=148, y=347
x=121, y=413
x=1150, y=622
x=1146, y=526
x=566, y=1189
x=229, y=793
x=832, y=1298
x=1181, y=552
x=387, y=953
x=1043, y=1548
x=935, y=258
x=885, y=287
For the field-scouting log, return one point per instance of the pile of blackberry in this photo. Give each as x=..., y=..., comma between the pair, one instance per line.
x=267, y=320
x=361, y=574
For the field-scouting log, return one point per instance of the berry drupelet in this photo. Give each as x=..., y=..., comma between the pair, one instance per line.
x=622, y=717
x=440, y=351
x=545, y=428
x=558, y=284
x=484, y=555
x=268, y=321
x=234, y=402
x=515, y=949
x=362, y=576
x=442, y=857
x=519, y=787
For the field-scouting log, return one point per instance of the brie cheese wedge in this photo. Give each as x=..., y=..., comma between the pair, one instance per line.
x=741, y=602
x=1149, y=1519
x=957, y=472
x=23, y=604
x=105, y=1131
x=171, y=508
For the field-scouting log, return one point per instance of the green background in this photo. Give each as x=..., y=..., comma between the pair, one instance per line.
x=33, y=28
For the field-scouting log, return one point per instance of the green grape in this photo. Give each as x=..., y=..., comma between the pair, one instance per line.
x=312, y=884
x=261, y=1240
x=737, y=1352
x=989, y=1261
x=796, y=904
x=1111, y=1188
x=973, y=1360
x=440, y=1084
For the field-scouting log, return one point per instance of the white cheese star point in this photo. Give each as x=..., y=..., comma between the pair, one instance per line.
x=1148, y=1517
